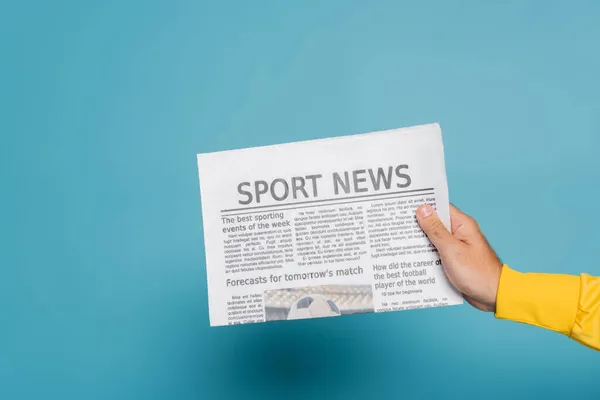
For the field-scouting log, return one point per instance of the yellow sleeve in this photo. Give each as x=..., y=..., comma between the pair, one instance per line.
x=567, y=304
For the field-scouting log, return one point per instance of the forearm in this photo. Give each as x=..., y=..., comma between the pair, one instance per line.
x=563, y=303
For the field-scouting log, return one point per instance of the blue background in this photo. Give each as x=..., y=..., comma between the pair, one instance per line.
x=105, y=104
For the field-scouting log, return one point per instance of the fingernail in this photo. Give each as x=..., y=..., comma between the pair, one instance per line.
x=425, y=211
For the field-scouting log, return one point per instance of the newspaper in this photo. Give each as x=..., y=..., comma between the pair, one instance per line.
x=324, y=227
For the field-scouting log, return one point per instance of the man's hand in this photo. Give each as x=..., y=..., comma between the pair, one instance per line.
x=470, y=263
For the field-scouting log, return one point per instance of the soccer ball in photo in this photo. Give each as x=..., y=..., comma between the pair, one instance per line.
x=313, y=306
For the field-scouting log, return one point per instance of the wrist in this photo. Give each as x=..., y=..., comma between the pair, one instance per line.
x=495, y=285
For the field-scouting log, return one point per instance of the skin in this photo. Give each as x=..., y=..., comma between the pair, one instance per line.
x=470, y=263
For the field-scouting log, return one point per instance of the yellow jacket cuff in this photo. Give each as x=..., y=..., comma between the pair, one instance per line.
x=549, y=301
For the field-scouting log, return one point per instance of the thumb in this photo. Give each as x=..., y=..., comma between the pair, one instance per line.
x=434, y=228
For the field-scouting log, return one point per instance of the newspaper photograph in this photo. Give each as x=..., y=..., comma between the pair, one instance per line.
x=324, y=228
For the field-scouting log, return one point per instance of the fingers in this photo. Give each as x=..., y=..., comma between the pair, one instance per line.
x=434, y=228
x=464, y=227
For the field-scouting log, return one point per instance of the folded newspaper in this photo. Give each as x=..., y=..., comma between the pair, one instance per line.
x=324, y=227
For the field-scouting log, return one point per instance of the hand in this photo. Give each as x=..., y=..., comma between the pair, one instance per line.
x=470, y=263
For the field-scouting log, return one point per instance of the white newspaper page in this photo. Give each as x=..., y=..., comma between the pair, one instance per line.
x=324, y=228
